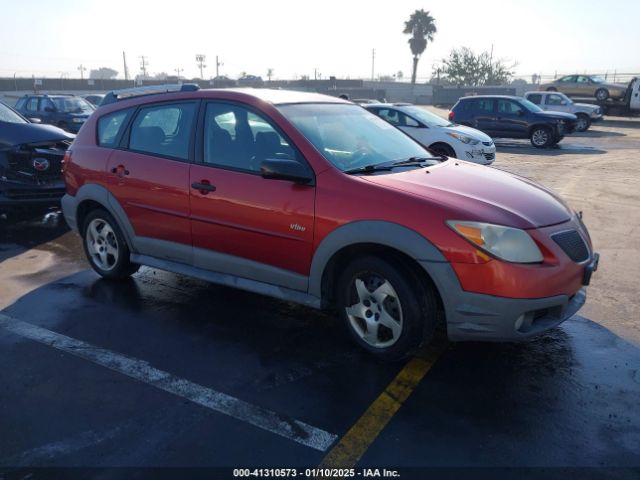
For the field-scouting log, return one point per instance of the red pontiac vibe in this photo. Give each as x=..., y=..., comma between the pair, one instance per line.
x=314, y=200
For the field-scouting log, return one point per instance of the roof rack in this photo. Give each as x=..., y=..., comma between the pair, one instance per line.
x=125, y=93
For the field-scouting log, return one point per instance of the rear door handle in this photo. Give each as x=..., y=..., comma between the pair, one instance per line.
x=120, y=170
x=204, y=187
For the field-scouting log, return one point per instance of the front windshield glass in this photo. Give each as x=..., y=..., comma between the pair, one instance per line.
x=350, y=137
x=72, y=105
x=9, y=116
x=426, y=117
x=532, y=107
x=565, y=98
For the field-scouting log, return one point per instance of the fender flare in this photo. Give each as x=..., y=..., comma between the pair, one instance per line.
x=103, y=196
x=379, y=232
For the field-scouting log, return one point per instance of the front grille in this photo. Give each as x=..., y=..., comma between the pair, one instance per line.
x=34, y=194
x=572, y=244
x=490, y=156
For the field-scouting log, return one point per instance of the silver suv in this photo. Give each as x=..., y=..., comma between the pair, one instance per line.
x=559, y=102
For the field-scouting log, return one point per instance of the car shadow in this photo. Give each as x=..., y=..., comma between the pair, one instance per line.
x=18, y=234
x=524, y=147
x=620, y=123
x=598, y=134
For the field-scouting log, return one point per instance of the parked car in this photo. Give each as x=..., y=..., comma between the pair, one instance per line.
x=559, y=102
x=437, y=134
x=365, y=101
x=30, y=163
x=314, y=200
x=67, y=112
x=585, y=86
x=94, y=98
x=251, y=81
x=502, y=116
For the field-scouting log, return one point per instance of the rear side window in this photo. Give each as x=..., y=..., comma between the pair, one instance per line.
x=164, y=130
x=535, y=98
x=110, y=127
x=483, y=105
x=32, y=104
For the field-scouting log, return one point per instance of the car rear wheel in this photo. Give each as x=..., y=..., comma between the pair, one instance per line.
x=443, y=149
x=602, y=94
x=583, y=122
x=541, y=137
x=105, y=246
x=387, y=309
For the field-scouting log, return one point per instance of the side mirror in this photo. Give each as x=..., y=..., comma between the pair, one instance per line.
x=34, y=120
x=281, y=169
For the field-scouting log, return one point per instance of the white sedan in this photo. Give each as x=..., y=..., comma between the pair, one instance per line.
x=436, y=133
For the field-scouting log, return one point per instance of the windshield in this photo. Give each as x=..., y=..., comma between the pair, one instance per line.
x=426, y=117
x=350, y=137
x=532, y=107
x=565, y=98
x=9, y=116
x=72, y=105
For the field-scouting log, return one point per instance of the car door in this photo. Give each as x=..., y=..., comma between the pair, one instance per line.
x=584, y=86
x=511, y=119
x=556, y=103
x=243, y=224
x=46, y=111
x=149, y=176
x=31, y=108
x=567, y=85
x=484, y=116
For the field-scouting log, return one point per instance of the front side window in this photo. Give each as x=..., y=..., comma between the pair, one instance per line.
x=509, y=107
x=239, y=139
x=72, y=105
x=554, y=99
x=46, y=103
x=426, y=117
x=568, y=79
x=349, y=136
x=110, y=126
x=583, y=79
x=163, y=130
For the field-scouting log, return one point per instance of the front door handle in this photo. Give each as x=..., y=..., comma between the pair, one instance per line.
x=203, y=187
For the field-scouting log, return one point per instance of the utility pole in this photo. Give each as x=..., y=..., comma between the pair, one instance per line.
x=178, y=71
x=124, y=61
x=200, y=59
x=144, y=63
x=218, y=65
x=82, y=70
x=491, y=64
x=373, y=63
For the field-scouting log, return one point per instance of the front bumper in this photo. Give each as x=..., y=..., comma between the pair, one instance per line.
x=17, y=196
x=482, y=154
x=480, y=317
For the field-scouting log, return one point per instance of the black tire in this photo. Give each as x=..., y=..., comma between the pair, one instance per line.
x=541, y=137
x=583, y=123
x=116, y=266
x=602, y=94
x=443, y=149
x=552, y=89
x=415, y=301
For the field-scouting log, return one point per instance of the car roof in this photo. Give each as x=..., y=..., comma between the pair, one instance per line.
x=49, y=95
x=279, y=97
x=509, y=97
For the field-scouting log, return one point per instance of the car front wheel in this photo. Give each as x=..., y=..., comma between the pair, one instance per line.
x=387, y=309
x=105, y=246
x=583, y=123
x=541, y=137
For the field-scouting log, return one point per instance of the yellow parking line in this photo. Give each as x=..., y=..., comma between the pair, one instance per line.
x=348, y=451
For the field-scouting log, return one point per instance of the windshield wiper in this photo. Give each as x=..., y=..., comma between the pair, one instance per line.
x=370, y=169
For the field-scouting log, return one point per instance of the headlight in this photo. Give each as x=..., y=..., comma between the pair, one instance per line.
x=463, y=138
x=510, y=244
x=78, y=120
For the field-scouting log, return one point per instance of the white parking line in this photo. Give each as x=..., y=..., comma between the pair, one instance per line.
x=140, y=370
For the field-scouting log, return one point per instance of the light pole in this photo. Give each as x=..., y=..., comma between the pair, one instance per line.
x=200, y=59
x=82, y=70
x=179, y=71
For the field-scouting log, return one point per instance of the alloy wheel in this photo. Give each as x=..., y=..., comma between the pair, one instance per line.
x=376, y=315
x=540, y=137
x=102, y=244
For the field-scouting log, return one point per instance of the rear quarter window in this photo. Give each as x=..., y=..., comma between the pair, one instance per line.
x=110, y=127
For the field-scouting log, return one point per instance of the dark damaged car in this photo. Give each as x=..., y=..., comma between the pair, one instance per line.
x=30, y=163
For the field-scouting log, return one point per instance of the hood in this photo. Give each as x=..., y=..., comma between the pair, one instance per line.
x=470, y=132
x=586, y=106
x=18, y=133
x=479, y=193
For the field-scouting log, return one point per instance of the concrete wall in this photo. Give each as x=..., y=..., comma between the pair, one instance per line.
x=420, y=94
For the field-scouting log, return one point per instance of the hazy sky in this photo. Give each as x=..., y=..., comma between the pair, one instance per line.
x=47, y=38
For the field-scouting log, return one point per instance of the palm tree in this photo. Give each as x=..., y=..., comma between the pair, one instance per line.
x=421, y=26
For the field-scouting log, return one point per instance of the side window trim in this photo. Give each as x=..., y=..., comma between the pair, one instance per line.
x=123, y=144
x=199, y=148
